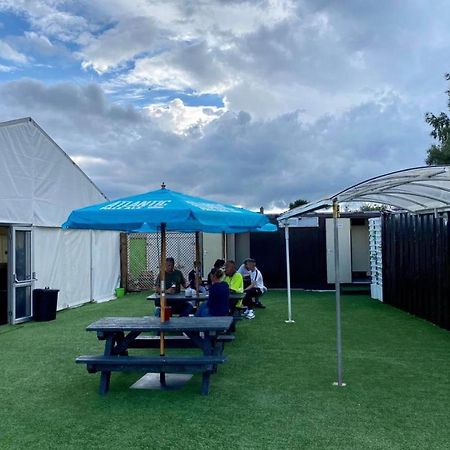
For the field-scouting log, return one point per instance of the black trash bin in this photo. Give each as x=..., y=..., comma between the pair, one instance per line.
x=44, y=304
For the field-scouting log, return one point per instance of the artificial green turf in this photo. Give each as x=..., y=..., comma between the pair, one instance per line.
x=275, y=391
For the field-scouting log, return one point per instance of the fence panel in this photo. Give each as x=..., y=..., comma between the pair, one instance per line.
x=144, y=254
x=416, y=265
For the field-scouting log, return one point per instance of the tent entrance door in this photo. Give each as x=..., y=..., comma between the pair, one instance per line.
x=21, y=274
x=4, y=232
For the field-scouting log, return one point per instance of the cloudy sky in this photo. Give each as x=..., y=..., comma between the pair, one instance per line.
x=255, y=102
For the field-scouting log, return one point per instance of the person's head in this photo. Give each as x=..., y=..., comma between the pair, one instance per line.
x=217, y=275
x=250, y=264
x=170, y=264
x=230, y=268
x=219, y=263
x=197, y=265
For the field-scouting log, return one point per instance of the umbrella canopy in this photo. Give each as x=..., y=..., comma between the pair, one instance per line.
x=146, y=212
x=267, y=228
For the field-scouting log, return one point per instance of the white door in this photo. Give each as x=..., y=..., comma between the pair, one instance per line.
x=22, y=275
x=212, y=250
x=345, y=252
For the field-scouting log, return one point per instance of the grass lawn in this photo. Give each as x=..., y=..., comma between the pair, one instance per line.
x=275, y=392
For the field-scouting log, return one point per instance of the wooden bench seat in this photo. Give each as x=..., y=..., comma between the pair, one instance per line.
x=181, y=341
x=155, y=364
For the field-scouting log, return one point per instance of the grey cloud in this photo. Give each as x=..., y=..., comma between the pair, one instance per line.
x=117, y=45
x=238, y=159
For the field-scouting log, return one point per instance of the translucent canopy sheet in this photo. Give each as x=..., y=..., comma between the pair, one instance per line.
x=417, y=190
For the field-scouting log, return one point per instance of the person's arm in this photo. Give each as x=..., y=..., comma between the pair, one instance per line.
x=259, y=282
x=183, y=281
x=212, y=295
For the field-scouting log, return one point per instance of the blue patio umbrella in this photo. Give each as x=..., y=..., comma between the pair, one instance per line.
x=165, y=210
x=180, y=212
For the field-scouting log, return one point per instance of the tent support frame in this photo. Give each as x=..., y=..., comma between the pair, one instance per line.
x=337, y=284
x=288, y=273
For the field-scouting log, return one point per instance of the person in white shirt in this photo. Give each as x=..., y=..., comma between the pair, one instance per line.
x=253, y=284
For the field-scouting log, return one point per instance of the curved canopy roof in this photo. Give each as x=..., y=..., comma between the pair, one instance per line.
x=417, y=190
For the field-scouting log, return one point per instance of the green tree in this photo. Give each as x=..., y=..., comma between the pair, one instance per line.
x=299, y=202
x=368, y=207
x=439, y=153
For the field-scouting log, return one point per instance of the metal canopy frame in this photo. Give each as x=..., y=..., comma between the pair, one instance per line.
x=417, y=190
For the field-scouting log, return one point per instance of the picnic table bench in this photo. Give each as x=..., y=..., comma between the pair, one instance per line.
x=123, y=333
x=179, y=341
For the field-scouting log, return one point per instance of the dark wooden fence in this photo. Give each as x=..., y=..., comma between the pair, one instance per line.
x=416, y=266
x=307, y=252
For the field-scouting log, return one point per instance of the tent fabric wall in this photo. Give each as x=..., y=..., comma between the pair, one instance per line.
x=105, y=264
x=63, y=260
x=41, y=185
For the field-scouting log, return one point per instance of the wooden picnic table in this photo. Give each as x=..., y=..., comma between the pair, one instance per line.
x=123, y=333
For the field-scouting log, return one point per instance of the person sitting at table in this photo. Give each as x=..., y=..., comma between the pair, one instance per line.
x=217, y=265
x=218, y=299
x=253, y=284
x=191, y=277
x=174, y=280
x=235, y=283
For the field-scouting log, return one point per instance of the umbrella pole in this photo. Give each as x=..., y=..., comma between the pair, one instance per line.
x=162, y=278
x=197, y=259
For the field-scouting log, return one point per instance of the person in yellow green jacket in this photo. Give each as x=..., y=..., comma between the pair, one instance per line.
x=236, y=285
x=233, y=278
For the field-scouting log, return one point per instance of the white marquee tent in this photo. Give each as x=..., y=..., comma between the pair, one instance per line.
x=417, y=190
x=40, y=186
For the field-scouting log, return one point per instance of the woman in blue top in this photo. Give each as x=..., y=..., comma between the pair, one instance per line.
x=218, y=299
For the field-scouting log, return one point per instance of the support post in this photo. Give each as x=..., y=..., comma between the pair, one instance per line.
x=124, y=261
x=91, y=265
x=288, y=272
x=337, y=284
x=224, y=246
x=162, y=278
x=197, y=275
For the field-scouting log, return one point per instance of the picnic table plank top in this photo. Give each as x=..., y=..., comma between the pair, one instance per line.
x=179, y=296
x=182, y=296
x=150, y=323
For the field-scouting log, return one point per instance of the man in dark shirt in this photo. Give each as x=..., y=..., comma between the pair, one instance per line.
x=174, y=280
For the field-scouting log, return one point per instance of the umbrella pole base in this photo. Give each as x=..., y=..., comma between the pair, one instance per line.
x=290, y=321
x=173, y=381
x=339, y=385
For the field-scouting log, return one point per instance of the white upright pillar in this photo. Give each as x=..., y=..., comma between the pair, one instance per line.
x=288, y=272
x=337, y=283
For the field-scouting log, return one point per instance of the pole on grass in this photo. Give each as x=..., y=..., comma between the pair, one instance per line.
x=288, y=272
x=337, y=284
x=162, y=277
x=197, y=275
